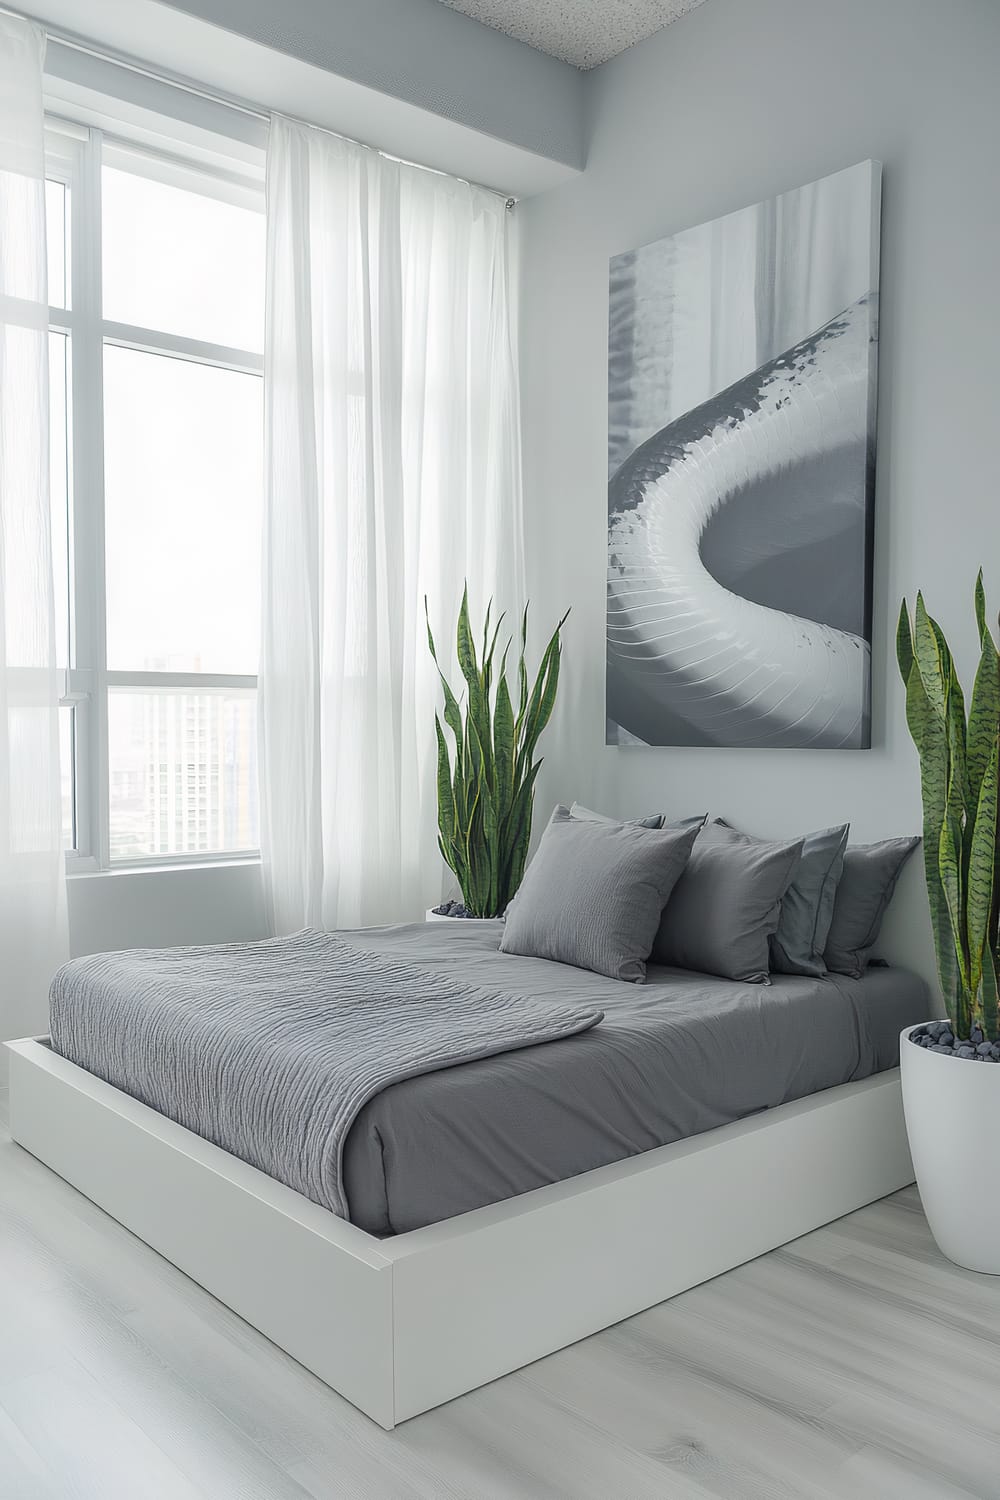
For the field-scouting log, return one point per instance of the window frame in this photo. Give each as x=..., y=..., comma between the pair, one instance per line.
x=75, y=155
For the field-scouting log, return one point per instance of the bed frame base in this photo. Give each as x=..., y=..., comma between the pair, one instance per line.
x=399, y=1326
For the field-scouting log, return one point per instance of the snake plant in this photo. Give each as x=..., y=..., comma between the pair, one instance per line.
x=486, y=784
x=959, y=781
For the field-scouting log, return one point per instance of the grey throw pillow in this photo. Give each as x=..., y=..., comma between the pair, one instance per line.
x=585, y=815
x=654, y=820
x=863, y=896
x=593, y=893
x=807, y=905
x=726, y=905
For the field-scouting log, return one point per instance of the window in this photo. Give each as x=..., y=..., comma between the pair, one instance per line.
x=156, y=275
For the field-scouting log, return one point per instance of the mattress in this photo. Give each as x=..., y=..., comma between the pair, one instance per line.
x=679, y=1055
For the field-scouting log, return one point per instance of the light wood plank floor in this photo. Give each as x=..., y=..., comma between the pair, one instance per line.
x=854, y=1363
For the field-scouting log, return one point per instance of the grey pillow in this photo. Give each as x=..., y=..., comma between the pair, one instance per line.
x=807, y=905
x=654, y=820
x=585, y=815
x=593, y=893
x=726, y=905
x=863, y=896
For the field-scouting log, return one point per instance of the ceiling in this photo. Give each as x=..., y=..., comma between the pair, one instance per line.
x=581, y=32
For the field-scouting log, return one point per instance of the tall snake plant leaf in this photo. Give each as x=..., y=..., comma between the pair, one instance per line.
x=486, y=628
x=445, y=790
x=476, y=680
x=542, y=698
x=491, y=851
x=991, y=997
x=904, y=642
x=960, y=784
x=465, y=648
x=452, y=712
x=929, y=663
x=520, y=828
x=503, y=744
x=980, y=605
x=958, y=737
x=936, y=674
x=984, y=717
x=930, y=737
x=486, y=786
x=960, y=810
x=984, y=714
x=982, y=870
x=949, y=860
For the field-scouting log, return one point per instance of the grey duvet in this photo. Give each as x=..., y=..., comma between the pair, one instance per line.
x=681, y=1054
x=271, y=1049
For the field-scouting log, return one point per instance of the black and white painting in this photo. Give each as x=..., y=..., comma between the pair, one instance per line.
x=741, y=453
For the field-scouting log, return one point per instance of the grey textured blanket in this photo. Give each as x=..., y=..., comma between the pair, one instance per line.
x=271, y=1049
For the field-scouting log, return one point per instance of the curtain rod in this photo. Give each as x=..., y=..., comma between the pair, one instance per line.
x=78, y=43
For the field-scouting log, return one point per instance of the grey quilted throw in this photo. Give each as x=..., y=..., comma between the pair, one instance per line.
x=271, y=1049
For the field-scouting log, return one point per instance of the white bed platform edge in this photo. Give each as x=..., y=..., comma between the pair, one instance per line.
x=399, y=1326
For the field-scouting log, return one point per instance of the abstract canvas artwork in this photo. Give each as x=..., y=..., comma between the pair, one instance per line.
x=741, y=456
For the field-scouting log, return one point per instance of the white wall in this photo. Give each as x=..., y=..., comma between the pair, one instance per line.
x=161, y=908
x=730, y=105
x=736, y=102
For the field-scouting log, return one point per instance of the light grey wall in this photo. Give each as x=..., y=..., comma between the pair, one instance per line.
x=733, y=103
x=427, y=54
x=161, y=908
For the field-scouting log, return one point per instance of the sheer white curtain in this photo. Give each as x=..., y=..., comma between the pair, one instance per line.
x=392, y=471
x=32, y=888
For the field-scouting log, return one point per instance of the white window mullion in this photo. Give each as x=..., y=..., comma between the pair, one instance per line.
x=175, y=346
x=193, y=682
x=88, y=470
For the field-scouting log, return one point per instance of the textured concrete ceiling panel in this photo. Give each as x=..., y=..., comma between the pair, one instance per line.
x=581, y=32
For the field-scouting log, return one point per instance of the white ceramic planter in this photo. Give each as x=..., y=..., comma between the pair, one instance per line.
x=952, y=1109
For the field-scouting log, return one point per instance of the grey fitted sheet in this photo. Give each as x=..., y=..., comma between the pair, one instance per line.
x=679, y=1055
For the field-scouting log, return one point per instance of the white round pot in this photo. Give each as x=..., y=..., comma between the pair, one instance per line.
x=952, y=1109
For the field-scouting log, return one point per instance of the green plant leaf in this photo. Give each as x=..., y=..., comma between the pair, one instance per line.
x=486, y=623
x=522, y=672
x=904, y=643
x=962, y=803
x=543, y=694
x=931, y=738
x=980, y=605
x=982, y=872
x=950, y=867
x=445, y=790
x=990, y=991
x=464, y=644
x=452, y=711
x=503, y=746
x=984, y=717
x=926, y=649
x=490, y=651
x=491, y=856
x=520, y=829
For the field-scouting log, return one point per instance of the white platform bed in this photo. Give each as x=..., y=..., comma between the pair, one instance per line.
x=400, y=1325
